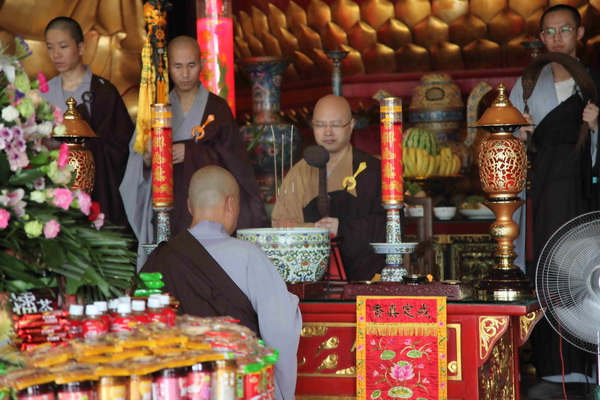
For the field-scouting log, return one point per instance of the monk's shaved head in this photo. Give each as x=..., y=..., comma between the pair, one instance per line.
x=210, y=186
x=337, y=103
x=214, y=195
x=185, y=43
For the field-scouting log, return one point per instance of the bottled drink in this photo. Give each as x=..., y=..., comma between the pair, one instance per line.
x=74, y=322
x=154, y=311
x=138, y=308
x=93, y=325
x=170, y=314
x=124, y=321
x=102, y=307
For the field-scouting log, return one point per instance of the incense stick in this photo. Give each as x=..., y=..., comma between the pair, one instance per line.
x=291, y=145
x=276, y=191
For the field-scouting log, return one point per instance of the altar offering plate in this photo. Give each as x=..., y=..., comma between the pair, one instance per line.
x=299, y=254
x=393, y=248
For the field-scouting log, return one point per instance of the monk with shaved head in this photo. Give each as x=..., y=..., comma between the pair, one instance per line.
x=214, y=274
x=222, y=145
x=355, y=214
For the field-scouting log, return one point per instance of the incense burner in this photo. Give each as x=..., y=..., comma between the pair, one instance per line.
x=299, y=254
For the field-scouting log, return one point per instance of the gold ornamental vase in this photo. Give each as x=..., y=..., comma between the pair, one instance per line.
x=503, y=172
x=80, y=157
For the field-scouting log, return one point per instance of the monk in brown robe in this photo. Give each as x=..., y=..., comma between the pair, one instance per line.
x=213, y=274
x=356, y=214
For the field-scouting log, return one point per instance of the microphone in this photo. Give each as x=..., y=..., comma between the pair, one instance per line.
x=317, y=156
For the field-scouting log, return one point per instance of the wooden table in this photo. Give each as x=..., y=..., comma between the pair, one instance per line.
x=483, y=360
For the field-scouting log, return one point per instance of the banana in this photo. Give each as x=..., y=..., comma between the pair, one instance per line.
x=408, y=164
x=425, y=163
x=456, y=165
x=431, y=167
x=438, y=164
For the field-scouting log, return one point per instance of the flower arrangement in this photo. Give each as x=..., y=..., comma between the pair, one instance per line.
x=47, y=228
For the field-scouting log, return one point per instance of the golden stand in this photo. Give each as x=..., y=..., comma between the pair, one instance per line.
x=502, y=171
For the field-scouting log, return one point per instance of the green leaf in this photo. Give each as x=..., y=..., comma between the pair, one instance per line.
x=54, y=255
x=414, y=354
x=388, y=355
x=4, y=168
x=376, y=394
x=26, y=176
x=401, y=392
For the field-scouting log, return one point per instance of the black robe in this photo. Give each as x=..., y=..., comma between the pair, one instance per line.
x=222, y=145
x=202, y=287
x=110, y=120
x=561, y=189
x=362, y=220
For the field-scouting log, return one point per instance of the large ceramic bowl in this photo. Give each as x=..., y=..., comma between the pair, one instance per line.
x=299, y=254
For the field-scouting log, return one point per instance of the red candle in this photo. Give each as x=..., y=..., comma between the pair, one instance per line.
x=162, y=157
x=392, y=185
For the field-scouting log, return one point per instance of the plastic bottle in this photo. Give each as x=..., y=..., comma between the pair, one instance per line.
x=93, y=325
x=112, y=307
x=154, y=311
x=124, y=321
x=75, y=321
x=171, y=315
x=37, y=392
x=138, y=308
x=102, y=307
x=199, y=381
x=76, y=391
x=169, y=384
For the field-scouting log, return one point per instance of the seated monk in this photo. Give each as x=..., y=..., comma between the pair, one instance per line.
x=213, y=274
x=356, y=214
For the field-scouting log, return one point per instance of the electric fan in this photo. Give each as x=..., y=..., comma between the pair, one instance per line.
x=568, y=283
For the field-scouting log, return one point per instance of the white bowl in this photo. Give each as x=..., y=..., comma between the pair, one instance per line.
x=444, y=213
x=478, y=213
x=415, y=211
x=299, y=254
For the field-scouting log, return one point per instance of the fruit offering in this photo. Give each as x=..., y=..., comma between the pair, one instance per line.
x=423, y=157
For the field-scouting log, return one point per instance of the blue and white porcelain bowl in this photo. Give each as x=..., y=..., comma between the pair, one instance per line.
x=299, y=254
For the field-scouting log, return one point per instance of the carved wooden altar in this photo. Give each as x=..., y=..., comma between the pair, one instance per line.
x=482, y=351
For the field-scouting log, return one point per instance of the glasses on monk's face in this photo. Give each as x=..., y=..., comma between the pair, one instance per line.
x=336, y=126
x=563, y=31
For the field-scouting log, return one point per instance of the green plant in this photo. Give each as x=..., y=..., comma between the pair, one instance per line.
x=45, y=226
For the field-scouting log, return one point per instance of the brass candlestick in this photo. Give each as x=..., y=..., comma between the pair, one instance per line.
x=503, y=171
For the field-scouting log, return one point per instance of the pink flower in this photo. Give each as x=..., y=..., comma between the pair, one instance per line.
x=375, y=373
x=4, y=218
x=382, y=367
x=425, y=380
x=39, y=183
x=98, y=222
x=43, y=82
x=373, y=343
x=62, y=198
x=57, y=114
x=441, y=323
x=51, y=229
x=407, y=342
x=359, y=347
x=63, y=155
x=84, y=201
x=402, y=373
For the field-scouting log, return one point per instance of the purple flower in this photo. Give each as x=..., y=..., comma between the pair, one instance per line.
x=6, y=134
x=19, y=144
x=402, y=373
x=17, y=159
x=51, y=229
x=17, y=132
x=62, y=198
x=15, y=200
x=18, y=96
x=407, y=342
x=4, y=218
x=39, y=183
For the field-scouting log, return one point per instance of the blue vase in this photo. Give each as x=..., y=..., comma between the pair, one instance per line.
x=273, y=144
